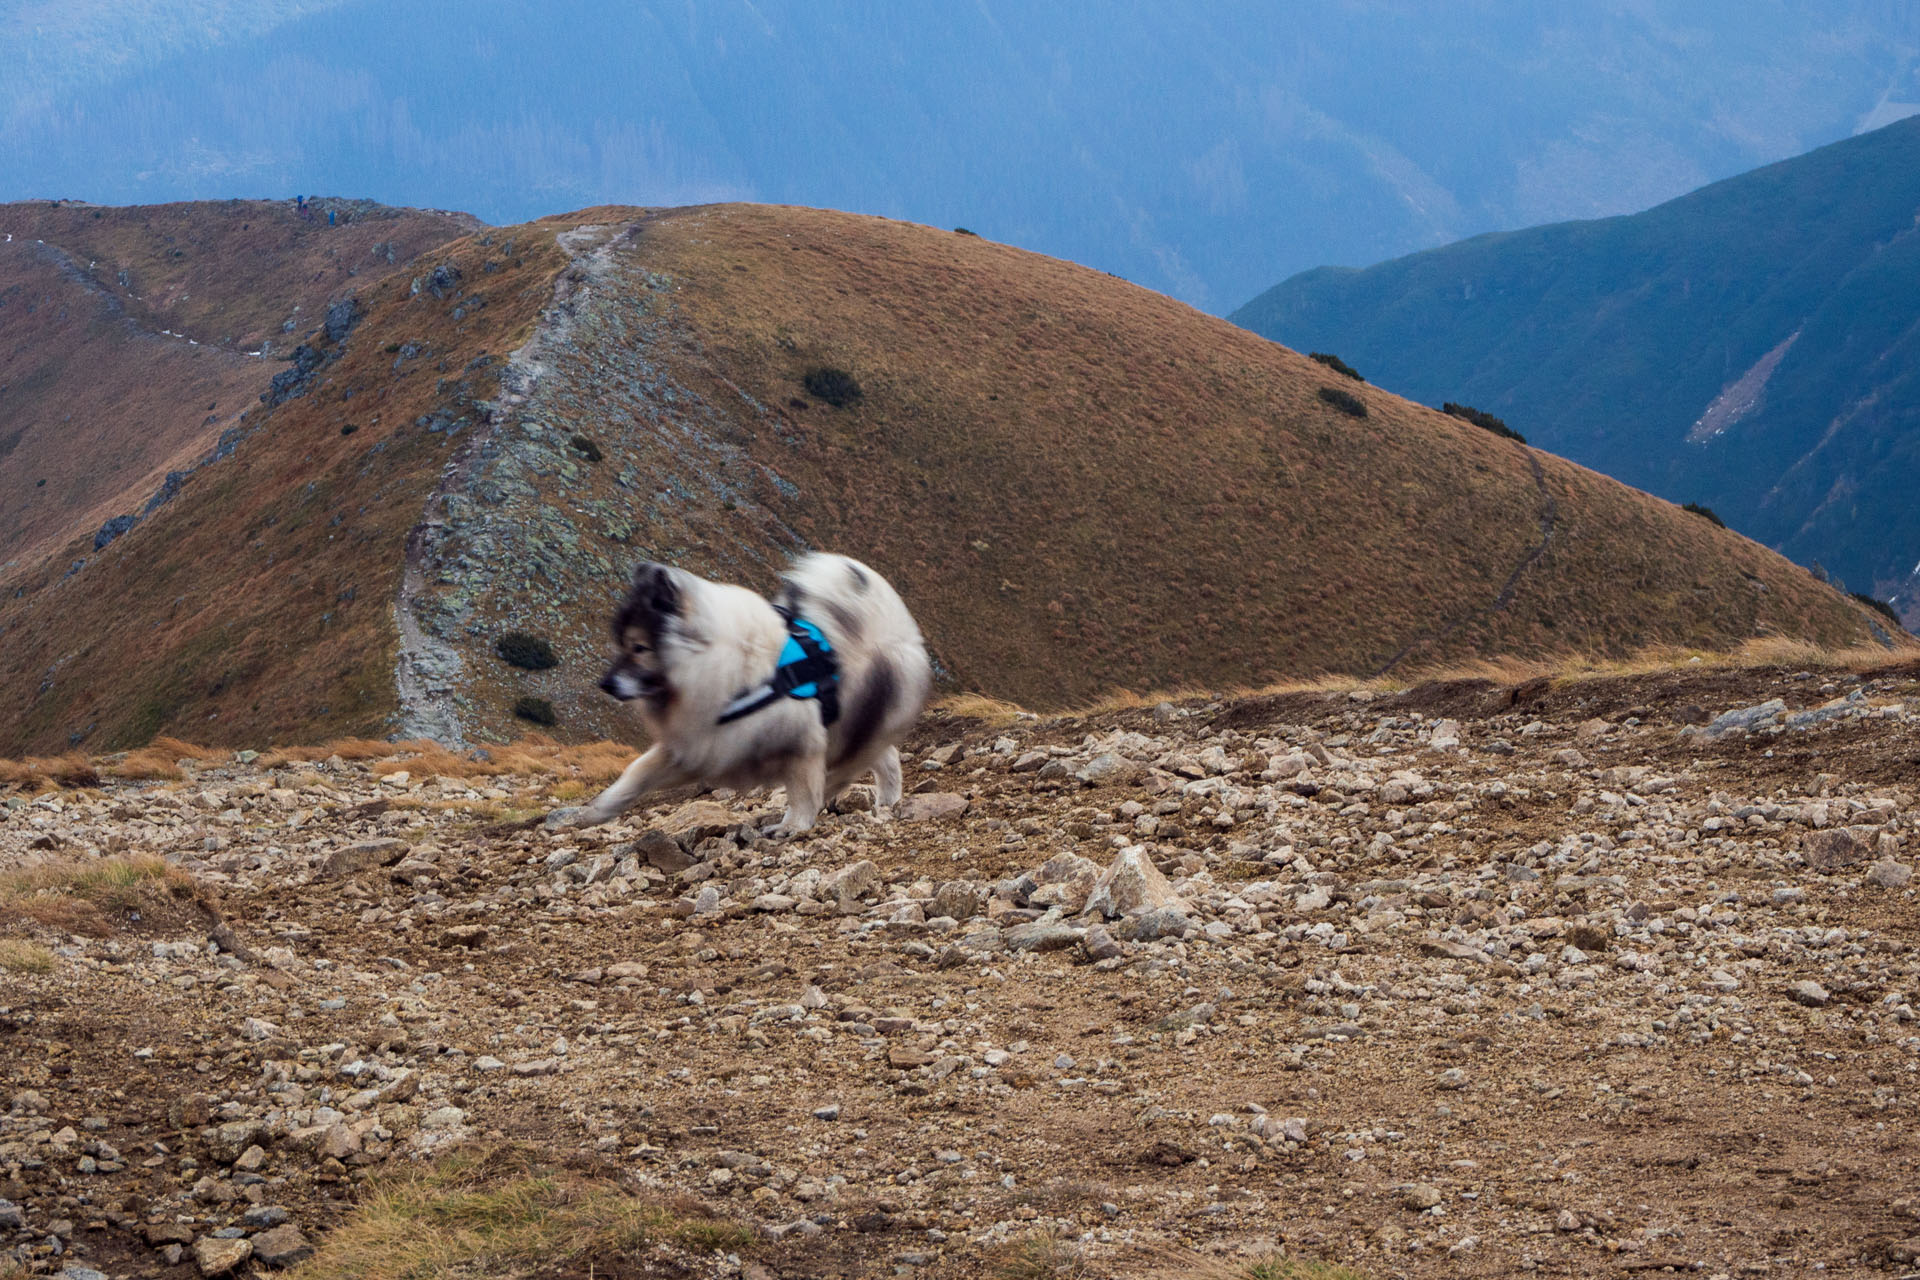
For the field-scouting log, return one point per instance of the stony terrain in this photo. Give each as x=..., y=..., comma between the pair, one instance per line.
x=1579, y=978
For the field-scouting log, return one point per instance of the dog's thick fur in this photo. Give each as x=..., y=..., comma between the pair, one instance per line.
x=688, y=646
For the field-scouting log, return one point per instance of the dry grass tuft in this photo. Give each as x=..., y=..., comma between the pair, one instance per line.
x=494, y=1212
x=64, y=894
x=44, y=773
x=20, y=956
x=978, y=706
x=160, y=759
x=1173, y=1263
x=535, y=755
x=1040, y=1256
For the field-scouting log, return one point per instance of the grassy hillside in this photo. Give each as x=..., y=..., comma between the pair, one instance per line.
x=1752, y=346
x=1079, y=485
x=134, y=337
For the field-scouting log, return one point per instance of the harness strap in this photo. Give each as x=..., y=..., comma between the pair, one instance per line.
x=807, y=669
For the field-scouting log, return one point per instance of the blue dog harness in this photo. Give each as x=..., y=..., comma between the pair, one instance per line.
x=807, y=669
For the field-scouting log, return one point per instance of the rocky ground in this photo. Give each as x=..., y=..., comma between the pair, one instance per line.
x=1580, y=978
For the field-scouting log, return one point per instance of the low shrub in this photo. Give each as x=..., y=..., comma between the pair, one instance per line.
x=536, y=710
x=529, y=652
x=1336, y=364
x=1345, y=401
x=962, y=231
x=1481, y=418
x=835, y=386
x=586, y=448
x=1705, y=513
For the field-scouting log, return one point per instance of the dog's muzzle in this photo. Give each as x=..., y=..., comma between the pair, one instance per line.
x=624, y=684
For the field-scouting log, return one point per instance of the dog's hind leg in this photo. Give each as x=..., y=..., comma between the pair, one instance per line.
x=651, y=772
x=806, y=792
x=886, y=776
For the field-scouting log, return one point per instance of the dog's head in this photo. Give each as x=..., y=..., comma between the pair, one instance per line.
x=644, y=623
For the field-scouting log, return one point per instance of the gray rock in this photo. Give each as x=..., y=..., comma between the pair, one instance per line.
x=1811, y=994
x=1100, y=944
x=1042, y=935
x=341, y=317
x=852, y=881
x=12, y=1216
x=363, y=856
x=1420, y=1195
x=959, y=899
x=658, y=850
x=216, y=1257
x=1107, y=767
x=931, y=805
x=1745, y=718
x=282, y=1247
x=1832, y=848
x=1158, y=922
x=112, y=529
x=1889, y=874
x=1132, y=885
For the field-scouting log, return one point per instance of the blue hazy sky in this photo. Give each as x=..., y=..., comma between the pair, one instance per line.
x=1203, y=149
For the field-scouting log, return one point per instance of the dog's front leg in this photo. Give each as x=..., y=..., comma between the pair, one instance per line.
x=806, y=792
x=886, y=776
x=651, y=772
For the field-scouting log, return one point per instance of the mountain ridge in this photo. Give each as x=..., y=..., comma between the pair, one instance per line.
x=1750, y=346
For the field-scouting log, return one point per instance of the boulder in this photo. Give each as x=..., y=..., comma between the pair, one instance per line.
x=217, y=1257
x=931, y=805
x=362, y=856
x=282, y=1247
x=1131, y=886
x=1832, y=848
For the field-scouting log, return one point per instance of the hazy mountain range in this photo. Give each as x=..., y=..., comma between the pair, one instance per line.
x=1202, y=150
x=1753, y=346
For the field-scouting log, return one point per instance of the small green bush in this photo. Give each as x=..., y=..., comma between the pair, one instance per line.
x=1480, y=418
x=962, y=231
x=538, y=710
x=586, y=448
x=1336, y=364
x=1705, y=513
x=836, y=386
x=1345, y=401
x=526, y=651
x=1878, y=606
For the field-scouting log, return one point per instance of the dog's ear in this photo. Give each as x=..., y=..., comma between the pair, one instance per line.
x=654, y=587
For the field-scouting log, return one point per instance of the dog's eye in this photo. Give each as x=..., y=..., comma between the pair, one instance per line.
x=637, y=649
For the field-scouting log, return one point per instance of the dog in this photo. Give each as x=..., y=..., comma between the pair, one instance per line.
x=811, y=689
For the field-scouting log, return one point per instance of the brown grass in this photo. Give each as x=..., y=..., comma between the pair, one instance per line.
x=1170, y=1262
x=486, y=1213
x=160, y=759
x=533, y=756
x=20, y=956
x=1768, y=652
x=69, y=894
x=44, y=773
x=1039, y=1256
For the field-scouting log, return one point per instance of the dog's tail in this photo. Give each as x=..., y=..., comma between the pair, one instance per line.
x=857, y=607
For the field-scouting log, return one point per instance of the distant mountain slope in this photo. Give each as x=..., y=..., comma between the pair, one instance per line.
x=1077, y=484
x=130, y=338
x=1754, y=346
